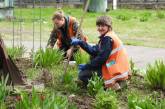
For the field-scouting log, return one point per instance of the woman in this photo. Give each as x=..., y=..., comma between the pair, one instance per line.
x=110, y=59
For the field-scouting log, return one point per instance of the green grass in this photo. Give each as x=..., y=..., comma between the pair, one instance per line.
x=156, y=74
x=81, y=57
x=95, y=85
x=135, y=27
x=146, y=102
x=4, y=91
x=48, y=58
x=16, y=52
x=107, y=100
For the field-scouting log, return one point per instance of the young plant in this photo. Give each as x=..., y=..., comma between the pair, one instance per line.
x=42, y=101
x=95, y=85
x=135, y=102
x=106, y=99
x=156, y=74
x=16, y=52
x=68, y=80
x=3, y=91
x=148, y=102
x=48, y=58
x=81, y=57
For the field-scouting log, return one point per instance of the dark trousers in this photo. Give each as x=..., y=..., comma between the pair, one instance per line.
x=86, y=75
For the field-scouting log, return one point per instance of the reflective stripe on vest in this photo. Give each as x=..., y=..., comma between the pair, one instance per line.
x=113, y=52
x=110, y=81
x=117, y=49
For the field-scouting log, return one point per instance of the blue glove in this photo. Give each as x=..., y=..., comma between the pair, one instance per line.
x=81, y=67
x=75, y=41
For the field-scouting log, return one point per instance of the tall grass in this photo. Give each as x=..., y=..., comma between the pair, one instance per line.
x=48, y=58
x=81, y=57
x=147, y=102
x=3, y=91
x=16, y=52
x=156, y=74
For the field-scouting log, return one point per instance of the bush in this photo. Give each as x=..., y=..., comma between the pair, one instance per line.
x=16, y=52
x=156, y=74
x=106, y=99
x=48, y=58
x=95, y=85
x=81, y=57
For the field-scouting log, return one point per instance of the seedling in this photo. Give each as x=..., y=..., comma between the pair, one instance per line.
x=41, y=101
x=156, y=74
x=106, y=99
x=95, y=85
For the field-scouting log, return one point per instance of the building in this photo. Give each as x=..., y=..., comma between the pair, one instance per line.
x=6, y=9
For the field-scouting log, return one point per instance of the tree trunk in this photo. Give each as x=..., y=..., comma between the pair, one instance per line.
x=97, y=5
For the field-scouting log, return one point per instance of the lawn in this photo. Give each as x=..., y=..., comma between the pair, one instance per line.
x=134, y=27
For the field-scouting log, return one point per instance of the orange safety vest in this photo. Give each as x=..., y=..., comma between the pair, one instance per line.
x=116, y=67
x=70, y=32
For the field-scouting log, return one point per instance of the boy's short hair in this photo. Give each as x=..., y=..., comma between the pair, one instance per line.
x=104, y=20
x=58, y=15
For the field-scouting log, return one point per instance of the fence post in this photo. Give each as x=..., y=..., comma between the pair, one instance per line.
x=114, y=4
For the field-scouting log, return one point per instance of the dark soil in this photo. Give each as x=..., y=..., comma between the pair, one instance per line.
x=83, y=101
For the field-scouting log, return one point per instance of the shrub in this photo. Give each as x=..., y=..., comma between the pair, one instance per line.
x=81, y=57
x=156, y=74
x=48, y=58
x=160, y=15
x=16, y=52
x=106, y=99
x=95, y=85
